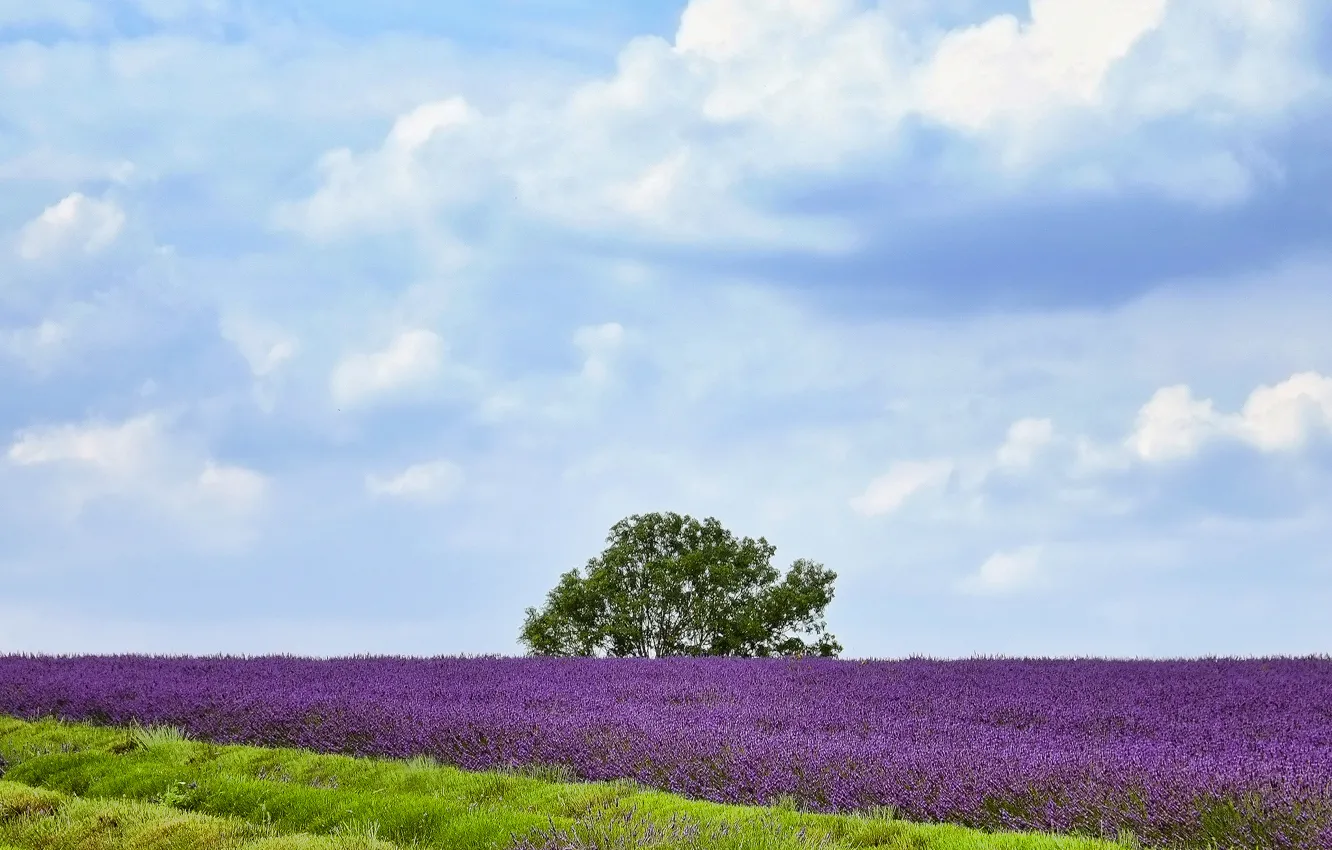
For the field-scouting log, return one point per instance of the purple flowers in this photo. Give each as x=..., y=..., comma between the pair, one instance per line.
x=1179, y=752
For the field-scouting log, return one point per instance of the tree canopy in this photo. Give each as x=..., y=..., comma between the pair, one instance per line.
x=669, y=585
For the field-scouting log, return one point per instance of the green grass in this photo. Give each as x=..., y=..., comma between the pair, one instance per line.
x=38, y=819
x=155, y=782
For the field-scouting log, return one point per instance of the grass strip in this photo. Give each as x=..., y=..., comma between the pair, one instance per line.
x=40, y=819
x=418, y=802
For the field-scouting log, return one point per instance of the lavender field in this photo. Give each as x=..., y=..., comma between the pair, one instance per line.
x=1202, y=753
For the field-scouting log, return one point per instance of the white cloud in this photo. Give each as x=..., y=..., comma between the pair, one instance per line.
x=1172, y=425
x=1005, y=70
x=77, y=223
x=412, y=359
x=417, y=127
x=751, y=90
x=903, y=479
x=141, y=460
x=424, y=164
x=1078, y=73
x=727, y=30
x=434, y=480
x=120, y=450
x=1004, y=573
x=1025, y=438
x=1283, y=415
x=1274, y=418
x=1245, y=56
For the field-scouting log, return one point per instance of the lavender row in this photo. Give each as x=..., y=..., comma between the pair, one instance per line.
x=1183, y=753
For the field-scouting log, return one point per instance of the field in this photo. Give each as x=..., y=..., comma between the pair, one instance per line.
x=1179, y=754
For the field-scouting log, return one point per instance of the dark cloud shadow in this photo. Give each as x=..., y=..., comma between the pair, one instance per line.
x=935, y=251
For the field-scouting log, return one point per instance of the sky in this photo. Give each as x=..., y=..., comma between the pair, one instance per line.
x=334, y=328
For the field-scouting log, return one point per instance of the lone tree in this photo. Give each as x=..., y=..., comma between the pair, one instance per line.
x=670, y=585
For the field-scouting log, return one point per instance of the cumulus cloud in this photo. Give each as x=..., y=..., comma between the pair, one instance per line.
x=1024, y=439
x=904, y=479
x=76, y=224
x=1004, y=573
x=412, y=359
x=118, y=450
x=1007, y=70
x=1283, y=416
x=1280, y=417
x=425, y=163
x=141, y=460
x=1172, y=424
x=752, y=92
x=430, y=481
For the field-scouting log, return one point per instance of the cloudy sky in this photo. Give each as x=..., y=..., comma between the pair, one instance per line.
x=334, y=327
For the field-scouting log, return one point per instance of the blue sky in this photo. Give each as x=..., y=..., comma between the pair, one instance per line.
x=326, y=330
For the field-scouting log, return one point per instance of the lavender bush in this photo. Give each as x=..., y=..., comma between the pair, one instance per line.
x=1206, y=753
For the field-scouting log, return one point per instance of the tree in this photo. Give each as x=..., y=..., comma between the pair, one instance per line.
x=669, y=585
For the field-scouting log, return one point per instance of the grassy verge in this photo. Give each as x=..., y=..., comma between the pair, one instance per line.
x=157, y=780
x=38, y=819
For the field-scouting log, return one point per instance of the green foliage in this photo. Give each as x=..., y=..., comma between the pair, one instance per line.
x=18, y=801
x=544, y=772
x=416, y=762
x=35, y=819
x=156, y=736
x=612, y=828
x=669, y=585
